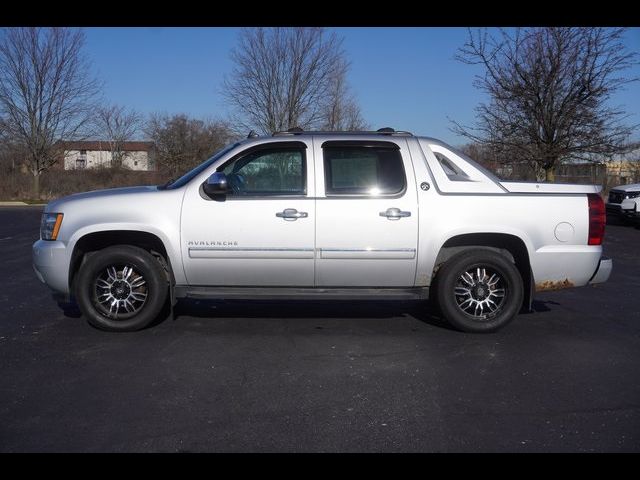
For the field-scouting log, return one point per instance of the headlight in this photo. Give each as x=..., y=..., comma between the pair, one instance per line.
x=50, y=225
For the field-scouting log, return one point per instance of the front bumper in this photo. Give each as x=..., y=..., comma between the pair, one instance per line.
x=630, y=209
x=51, y=264
x=603, y=271
x=613, y=208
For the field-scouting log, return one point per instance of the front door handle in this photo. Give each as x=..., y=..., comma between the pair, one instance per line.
x=291, y=214
x=394, y=214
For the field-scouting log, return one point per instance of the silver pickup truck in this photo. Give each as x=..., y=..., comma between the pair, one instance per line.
x=307, y=215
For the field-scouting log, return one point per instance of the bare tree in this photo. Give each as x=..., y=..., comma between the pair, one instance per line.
x=5, y=148
x=482, y=154
x=341, y=111
x=117, y=125
x=550, y=91
x=46, y=91
x=182, y=142
x=3, y=130
x=12, y=156
x=284, y=77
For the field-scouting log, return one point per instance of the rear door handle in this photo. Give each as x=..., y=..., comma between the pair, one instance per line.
x=291, y=214
x=394, y=214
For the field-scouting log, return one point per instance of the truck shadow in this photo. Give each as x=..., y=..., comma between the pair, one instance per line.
x=540, y=306
x=422, y=311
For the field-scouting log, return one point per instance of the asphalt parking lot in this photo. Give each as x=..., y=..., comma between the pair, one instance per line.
x=320, y=376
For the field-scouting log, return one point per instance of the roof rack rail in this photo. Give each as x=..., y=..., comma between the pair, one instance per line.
x=391, y=131
x=291, y=131
x=380, y=131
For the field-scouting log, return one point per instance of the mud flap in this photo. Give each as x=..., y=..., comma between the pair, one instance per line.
x=172, y=300
x=527, y=305
x=170, y=280
x=532, y=291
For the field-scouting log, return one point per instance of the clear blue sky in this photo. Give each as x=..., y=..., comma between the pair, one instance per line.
x=403, y=77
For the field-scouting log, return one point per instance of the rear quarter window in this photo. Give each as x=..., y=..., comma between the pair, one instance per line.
x=455, y=173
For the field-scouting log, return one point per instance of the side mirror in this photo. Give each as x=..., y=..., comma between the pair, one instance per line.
x=216, y=184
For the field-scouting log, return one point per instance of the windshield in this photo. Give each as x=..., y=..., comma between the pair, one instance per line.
x=187, y=177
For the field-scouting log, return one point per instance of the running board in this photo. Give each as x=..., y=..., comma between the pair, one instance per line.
x=298, y=293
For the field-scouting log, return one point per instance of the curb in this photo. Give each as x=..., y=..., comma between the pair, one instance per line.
x=21, y=204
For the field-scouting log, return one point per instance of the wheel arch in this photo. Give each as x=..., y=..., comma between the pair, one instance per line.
x=97, y=240
x=508, y=245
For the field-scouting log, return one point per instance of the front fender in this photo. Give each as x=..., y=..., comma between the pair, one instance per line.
x=170, y=241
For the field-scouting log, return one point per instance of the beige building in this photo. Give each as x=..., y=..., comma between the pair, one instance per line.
x=97, y=154
x=624, y=169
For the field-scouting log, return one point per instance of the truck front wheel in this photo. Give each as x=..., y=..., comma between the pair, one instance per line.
x=121, y=288
x=479, y=291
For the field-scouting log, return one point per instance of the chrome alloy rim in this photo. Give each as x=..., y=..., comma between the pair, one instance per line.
x=120, y=292
x=480, y=293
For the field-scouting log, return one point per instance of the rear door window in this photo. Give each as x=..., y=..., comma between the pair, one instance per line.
x=363, y=169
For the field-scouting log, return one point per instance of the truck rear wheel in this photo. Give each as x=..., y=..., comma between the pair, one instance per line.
x=121, y=288
x=479, y=291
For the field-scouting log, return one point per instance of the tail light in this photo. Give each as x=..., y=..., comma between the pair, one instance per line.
x=597, y=219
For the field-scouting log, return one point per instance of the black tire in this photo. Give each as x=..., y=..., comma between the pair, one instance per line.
x=145, y=269
x=473, y=317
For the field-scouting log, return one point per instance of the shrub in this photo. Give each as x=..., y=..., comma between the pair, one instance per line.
x=15, y=185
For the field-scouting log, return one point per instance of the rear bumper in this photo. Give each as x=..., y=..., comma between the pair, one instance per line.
x=603, y=271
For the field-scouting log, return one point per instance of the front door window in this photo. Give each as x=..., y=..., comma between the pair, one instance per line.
x=268, y=172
